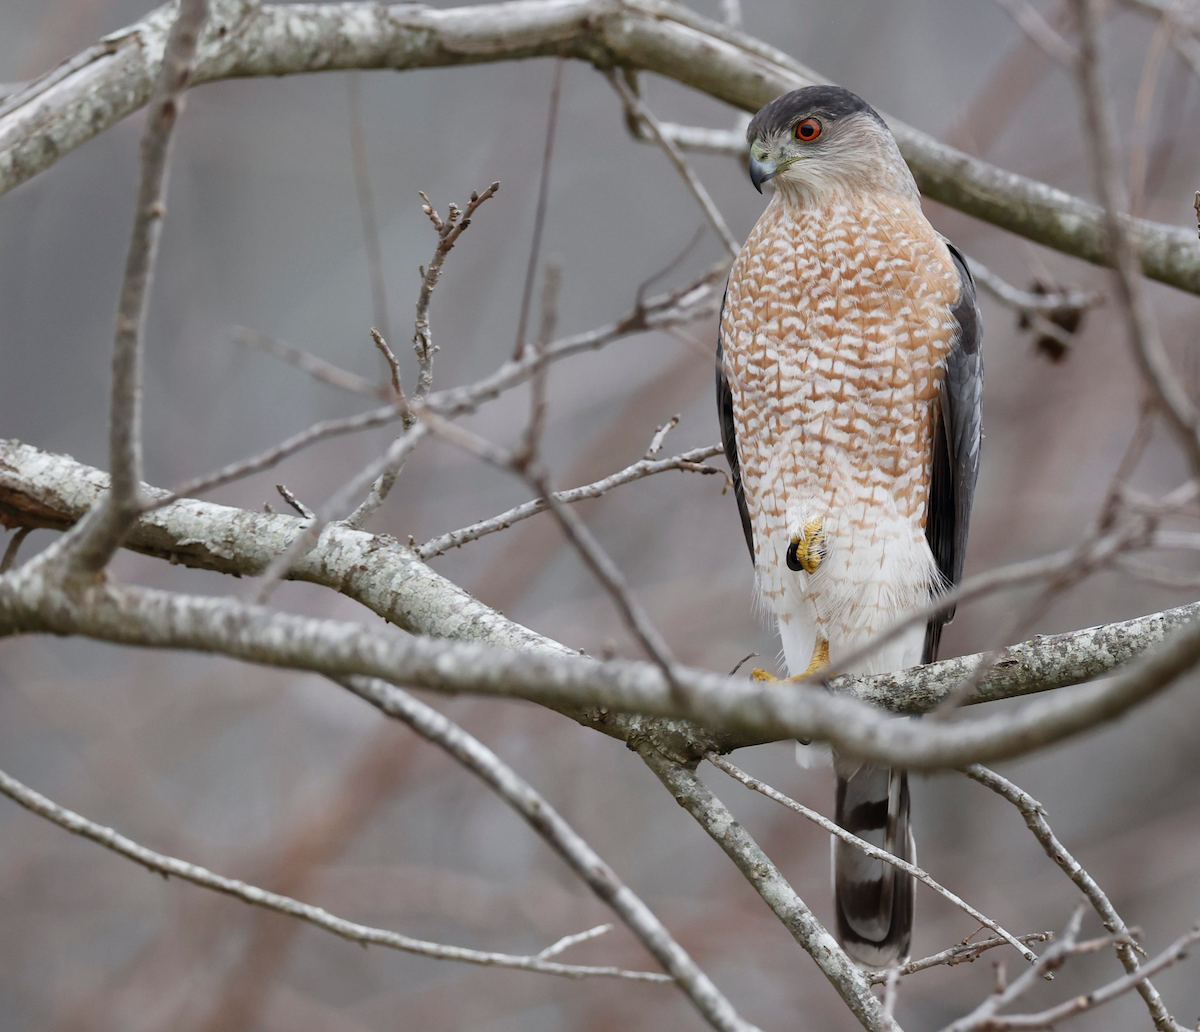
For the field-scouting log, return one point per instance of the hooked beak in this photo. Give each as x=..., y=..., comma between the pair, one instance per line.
x=761, y=171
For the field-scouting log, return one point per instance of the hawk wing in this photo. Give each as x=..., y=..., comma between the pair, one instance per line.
x=729, y=436
x=957, y=434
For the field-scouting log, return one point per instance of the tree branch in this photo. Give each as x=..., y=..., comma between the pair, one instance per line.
x=169, y=866
x=100, y=536
x=872, y=851
x=68, y=106
x=714, y=817
x=690, y=460
x=565, y=841
x=390, y=580
x=1034, y=815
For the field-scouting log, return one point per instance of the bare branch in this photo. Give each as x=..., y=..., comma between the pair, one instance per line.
x=316, y=367
x=690, y=460
x=872, y=851
x=1050, y=961
x=366, y=204
x=565, y=841
x=1026, y=300
x=108, y=81
x=1031, y=22
x=294, y=502
x=1050, y=1017
x=393, y=363
x=539, y=217
x=590, y=550
x=1034, y=815
x=736, y=712
x=169, y=866
x=526, y=453
x=1180, y=413
x=273, y=456
x=337, y=503
x=567, y=941
x=101, y=535
x=714, y=817
x=634, y=104
x=448, y=231
x=660, y=435
x=962, y=953
x=14, y=546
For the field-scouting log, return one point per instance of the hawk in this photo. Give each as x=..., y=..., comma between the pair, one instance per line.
x=849, y=383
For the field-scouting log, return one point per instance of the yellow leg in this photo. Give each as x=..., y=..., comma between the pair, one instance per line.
x=819, y=662
x=806, y=552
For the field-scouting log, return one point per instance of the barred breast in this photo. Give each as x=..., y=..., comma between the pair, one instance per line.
x=836, y=323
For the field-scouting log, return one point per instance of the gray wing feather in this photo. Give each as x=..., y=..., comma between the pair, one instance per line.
x=729, y=437
x=958, y=433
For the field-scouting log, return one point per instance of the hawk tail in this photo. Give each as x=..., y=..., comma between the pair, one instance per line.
x=874, y=900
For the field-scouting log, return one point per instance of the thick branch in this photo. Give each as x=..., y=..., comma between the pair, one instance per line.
x=45, y=490
x=110, y=80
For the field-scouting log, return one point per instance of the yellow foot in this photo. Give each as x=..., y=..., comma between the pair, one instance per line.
x=819, y=662
x=808, y=550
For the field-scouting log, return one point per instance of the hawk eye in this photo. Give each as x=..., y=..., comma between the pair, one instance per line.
x=808, y=130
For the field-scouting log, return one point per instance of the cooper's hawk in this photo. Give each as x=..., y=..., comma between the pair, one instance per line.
x=849, y=380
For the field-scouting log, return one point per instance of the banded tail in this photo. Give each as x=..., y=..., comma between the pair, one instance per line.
x=874, y=900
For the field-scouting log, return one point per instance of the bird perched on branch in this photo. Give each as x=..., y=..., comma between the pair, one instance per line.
x=849, y=382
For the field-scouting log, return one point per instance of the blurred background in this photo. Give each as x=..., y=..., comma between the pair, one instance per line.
x=280, y=780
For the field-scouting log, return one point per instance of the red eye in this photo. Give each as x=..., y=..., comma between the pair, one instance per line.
x=808, y=130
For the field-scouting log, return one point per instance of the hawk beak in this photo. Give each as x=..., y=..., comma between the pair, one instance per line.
x=761, y=171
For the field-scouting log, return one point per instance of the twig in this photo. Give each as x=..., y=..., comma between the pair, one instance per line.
x=100, y=536
x=539, y=218
x=1040, y=31
x=366, y=204
x=567, y=941
x=338, y=502
x=1034, y=815
x=316, y=367
x=660, y=435
x=1138, y=160
x=169, y=866
x=14, y=546
x=295, y=502
x=389, y=357
x=565, y=841
x=1170, y=397
x=1026, y=301
x=527, y=451
x=737, y=843
x=690, y=461
x=273, y=456
x=448, y=231
x=961, y=953
x=731, y=13
x=1052, y=959
x=700, y=139
x=589, y=549
x=872, y=851
x=634, y=104
x=1050, y=1017
x=891, y=986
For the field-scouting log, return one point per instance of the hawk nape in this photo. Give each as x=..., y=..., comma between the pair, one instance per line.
x=849, y=383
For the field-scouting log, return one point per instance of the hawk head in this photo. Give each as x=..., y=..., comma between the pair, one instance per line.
x=824, y=138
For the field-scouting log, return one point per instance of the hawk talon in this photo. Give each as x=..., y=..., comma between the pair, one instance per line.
x=819, y=662
x=807, y=551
